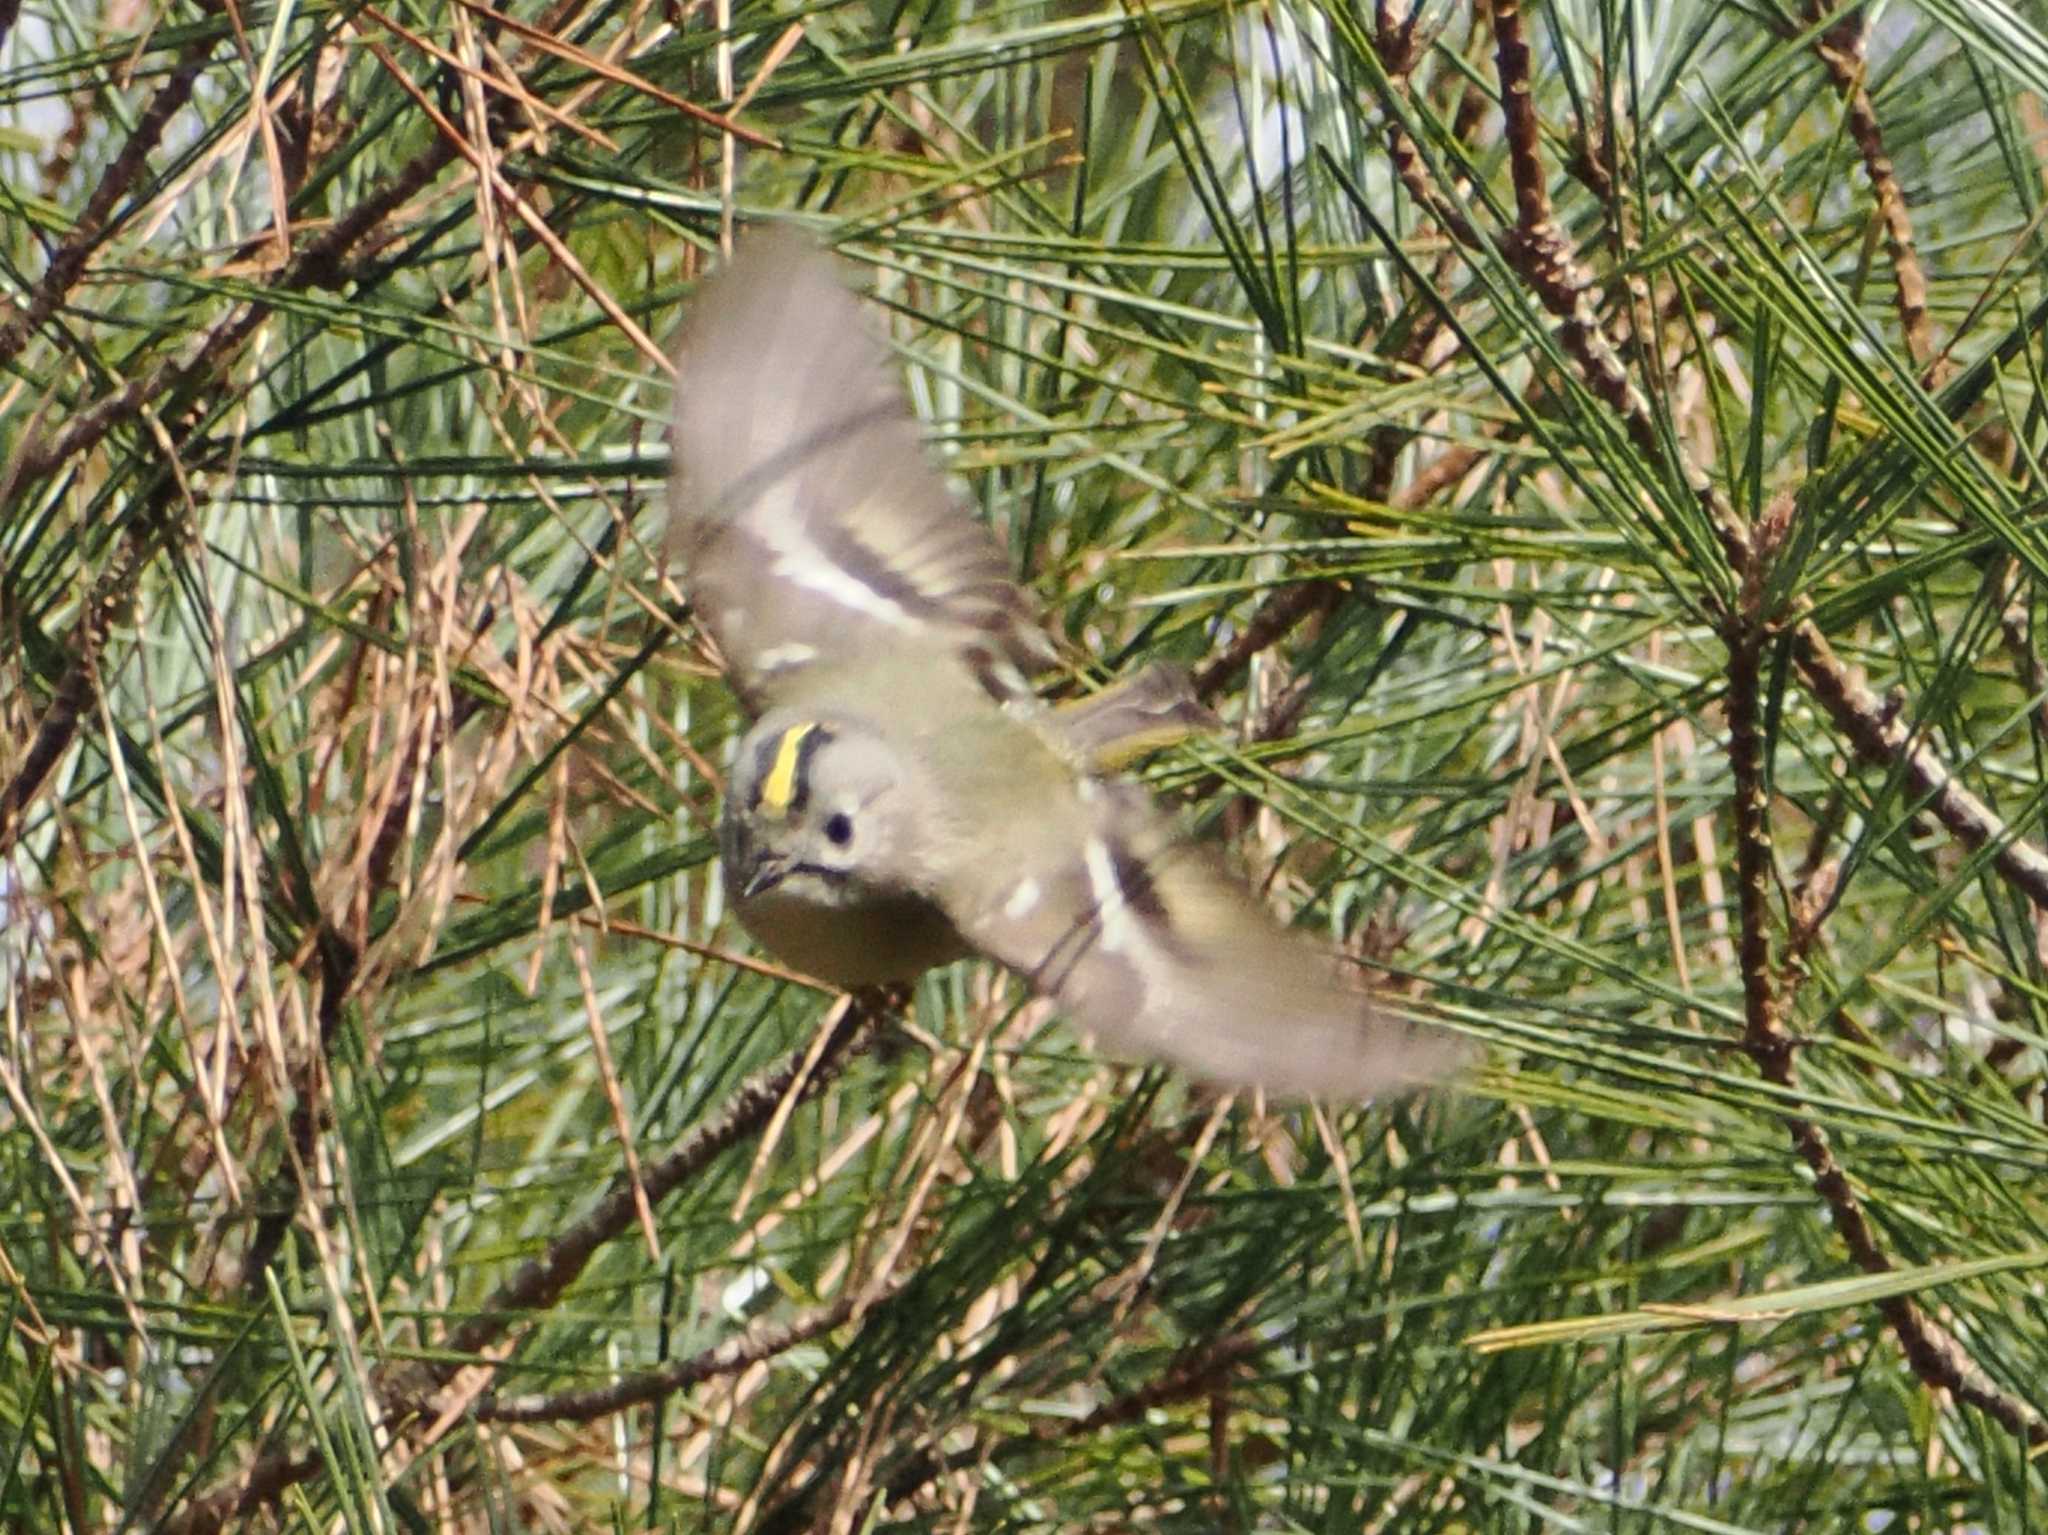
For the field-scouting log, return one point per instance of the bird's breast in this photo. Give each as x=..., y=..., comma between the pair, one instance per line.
x=866, y=943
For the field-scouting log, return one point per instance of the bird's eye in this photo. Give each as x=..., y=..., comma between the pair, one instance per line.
x=839, y=828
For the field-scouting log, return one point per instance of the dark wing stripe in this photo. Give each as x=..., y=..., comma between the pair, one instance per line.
x=812, y=521
x=872, y=569
x=1080, y=970
x=1141, y=894
x=1051, y=973
x=950, y=573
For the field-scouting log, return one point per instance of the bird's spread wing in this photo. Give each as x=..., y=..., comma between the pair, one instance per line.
x=810, y=523
x=1145, y=940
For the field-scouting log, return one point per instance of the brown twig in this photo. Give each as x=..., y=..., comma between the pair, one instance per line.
x=1289, y=607
x=226, y=1506
x=1542, y=253
x=68, y=260
x=764, y=1340
x=1195, y=1375
x=318, y=265
x=315, y=266
x=1275, y=618
x=1543, y=256
x=1880, y=736
x=1400, y=48
x=1935, y=1358
x=1840, y=47
x=77, y=689
x=339, y=963
x=541, y=1282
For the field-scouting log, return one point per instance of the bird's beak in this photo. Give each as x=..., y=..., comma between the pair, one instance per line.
x=767, y=872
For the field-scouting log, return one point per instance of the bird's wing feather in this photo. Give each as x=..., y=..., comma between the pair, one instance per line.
x=810, y=522
x=1146, y=941
x=1154, y=707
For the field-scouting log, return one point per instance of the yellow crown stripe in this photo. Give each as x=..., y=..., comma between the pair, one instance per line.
x=779, y=785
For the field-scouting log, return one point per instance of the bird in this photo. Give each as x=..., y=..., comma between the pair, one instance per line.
x=903, y=798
